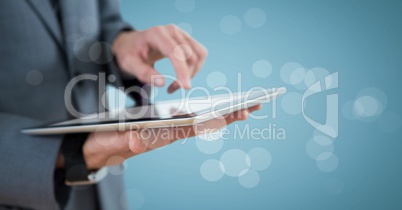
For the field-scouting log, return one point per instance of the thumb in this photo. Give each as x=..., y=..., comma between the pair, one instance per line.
x=135, y=143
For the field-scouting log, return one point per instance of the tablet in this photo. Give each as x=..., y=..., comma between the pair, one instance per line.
x=182, y=112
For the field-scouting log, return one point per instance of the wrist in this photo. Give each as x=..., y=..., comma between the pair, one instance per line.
x=76, y=169
x=119, y=40
x=90, y=157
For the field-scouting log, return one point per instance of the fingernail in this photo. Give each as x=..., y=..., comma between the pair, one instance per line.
x=170, y=89
x=158, y=81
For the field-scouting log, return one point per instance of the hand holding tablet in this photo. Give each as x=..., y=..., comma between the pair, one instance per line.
x=162, y=114
x=117, y=136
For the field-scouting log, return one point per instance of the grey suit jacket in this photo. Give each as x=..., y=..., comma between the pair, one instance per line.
x=38, y=57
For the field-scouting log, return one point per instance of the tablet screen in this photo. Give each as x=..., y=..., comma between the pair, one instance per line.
x=165, y=110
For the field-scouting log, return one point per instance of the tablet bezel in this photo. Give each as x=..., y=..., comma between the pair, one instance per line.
x=183, y=120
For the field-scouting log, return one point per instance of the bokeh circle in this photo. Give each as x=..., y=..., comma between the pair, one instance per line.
x=316, y=74
x=34, y=77
x=292, y=73
x=216, y=79
x=377, y=94
x=366, y=106
x=209, y=147
x=212, y=170
x=255, y=17
x=260, y=158
x=236, y=162
x=318, y=145
x=230, y=25
x=291, y=103
x=249, y=179
x=262, y=68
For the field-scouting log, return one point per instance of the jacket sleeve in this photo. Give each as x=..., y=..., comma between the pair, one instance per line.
x=111, y=21
x=111, y=25
x=27, y=164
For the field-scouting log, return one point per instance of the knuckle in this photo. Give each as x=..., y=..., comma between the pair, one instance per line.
x=156, y=30
x=171, y=28
x=124, y=139
x=127, y=136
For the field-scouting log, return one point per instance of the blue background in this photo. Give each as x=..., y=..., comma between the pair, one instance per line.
x=359, y=39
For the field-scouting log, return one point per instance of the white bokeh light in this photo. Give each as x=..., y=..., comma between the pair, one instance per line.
x=34, y=77
x=185, y=6
x=81, y=48
x=236, y=162
x=255, y=17
x=316, y=74
x=132, y=199
x=212, y=170
x=97, y=55
x=95, y=51
x=106, y=136
x=366, y=106
x=111, y=78
x=291, y=103
x=216, y=79
x=249, y=179
x=297, y=76
x=260, y=158
x=230, y=25
x=292, y=73
x=318, y=145
x=209, y=147
x=182, y=52
x=262, y=68
x=211, y=136
x=390, y=122
x=376, y=93
x=327, y=162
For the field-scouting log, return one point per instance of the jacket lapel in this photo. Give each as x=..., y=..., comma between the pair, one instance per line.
x=43, y=9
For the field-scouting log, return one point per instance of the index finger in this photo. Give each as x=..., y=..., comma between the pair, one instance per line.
x=162, y=40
